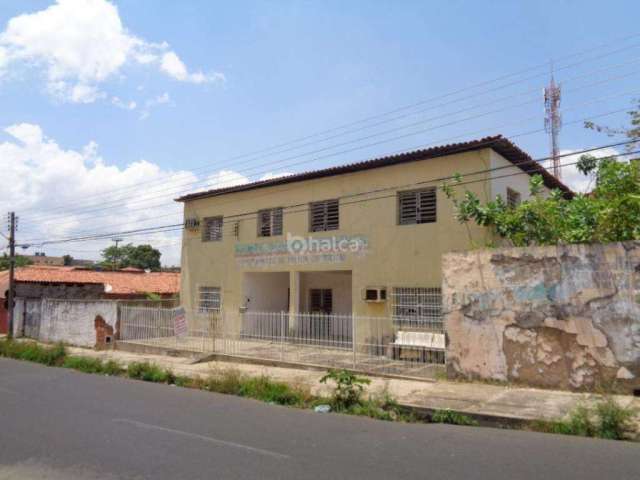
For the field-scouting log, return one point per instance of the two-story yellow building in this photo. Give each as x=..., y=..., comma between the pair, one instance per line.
x=363, y=239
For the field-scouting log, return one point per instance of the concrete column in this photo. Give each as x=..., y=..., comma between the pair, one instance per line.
x=294, y=297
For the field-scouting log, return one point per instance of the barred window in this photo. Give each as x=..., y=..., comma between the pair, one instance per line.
x=324, y=216
x=417, y=307
x=270, y=222
x=417, y=206
x=212, y=229
x=209, y=299
x=321, y=300
x=513, y=198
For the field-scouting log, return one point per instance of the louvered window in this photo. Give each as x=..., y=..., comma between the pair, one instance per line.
x=270, y=222
x=209, y=299
x=321, y=300
x=324, y=216
x=513, y=198
x=417, y=206
x=212, y=229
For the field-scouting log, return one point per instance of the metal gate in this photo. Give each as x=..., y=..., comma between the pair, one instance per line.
x=32, y=317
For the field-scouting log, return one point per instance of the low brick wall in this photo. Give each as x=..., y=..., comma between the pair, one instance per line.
x=559, y=317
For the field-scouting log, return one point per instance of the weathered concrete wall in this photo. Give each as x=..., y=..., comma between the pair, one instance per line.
x=81, y=323
x=559, y=317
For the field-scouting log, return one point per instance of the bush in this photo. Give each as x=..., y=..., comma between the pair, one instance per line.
x=606, y=420
x=113, y=368
x=348, y=390
x=149, y=372
x=614, y=421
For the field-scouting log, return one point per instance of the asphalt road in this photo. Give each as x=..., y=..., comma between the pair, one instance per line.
x=60, y=424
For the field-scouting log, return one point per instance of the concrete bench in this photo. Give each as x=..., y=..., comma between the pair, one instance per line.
x=419, y=346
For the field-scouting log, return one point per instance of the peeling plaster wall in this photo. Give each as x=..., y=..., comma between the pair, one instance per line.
x=558, y=317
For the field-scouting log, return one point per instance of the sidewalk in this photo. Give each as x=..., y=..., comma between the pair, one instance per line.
x=498, y=403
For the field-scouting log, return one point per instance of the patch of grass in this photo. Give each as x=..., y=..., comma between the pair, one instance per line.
x=607, y=419
x=32, y=352
x=382, y=407
x=149, y=372
x=84, y=364
x=233, y=382
x=452, y=418
x=112, y=368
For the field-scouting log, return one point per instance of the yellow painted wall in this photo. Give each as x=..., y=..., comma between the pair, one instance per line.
x=398, y=256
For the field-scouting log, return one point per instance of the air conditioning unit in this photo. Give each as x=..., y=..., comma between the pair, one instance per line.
x=191, y=224
x=374, y=294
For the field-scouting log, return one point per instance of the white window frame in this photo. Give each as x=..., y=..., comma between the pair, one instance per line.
x=417, y=307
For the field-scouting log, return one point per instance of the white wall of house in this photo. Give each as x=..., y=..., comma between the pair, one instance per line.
x=266, y=292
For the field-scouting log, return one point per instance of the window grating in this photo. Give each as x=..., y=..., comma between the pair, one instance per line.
x=208, y=299
x=324, y=216
x=212, y=229
x=270, y=222
x=417, y=206
x=417, y=307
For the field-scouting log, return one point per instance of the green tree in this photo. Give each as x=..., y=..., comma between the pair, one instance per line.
x=67, y=259
x=610, y=213
x=632, y=132
x=20, y=261
x=129, y=255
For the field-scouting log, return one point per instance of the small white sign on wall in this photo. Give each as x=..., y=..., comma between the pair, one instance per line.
x=180, y=322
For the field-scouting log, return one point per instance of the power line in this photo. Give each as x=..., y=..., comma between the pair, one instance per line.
x=511, y=137
x=412, y=105
x=533, y=163
x=173, y=191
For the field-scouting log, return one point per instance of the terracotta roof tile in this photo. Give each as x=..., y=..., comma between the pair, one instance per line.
x=116, y=283
x=498, y=143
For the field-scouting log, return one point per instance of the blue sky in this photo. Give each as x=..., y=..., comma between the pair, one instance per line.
x=275, y=71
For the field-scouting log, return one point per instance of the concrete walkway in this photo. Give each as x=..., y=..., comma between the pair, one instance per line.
x=491, y=401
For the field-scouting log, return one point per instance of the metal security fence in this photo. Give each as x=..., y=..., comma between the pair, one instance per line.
x=157, y=327
x=375, y=345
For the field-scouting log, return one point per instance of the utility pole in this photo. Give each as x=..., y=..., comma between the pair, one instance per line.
x=12, y=263
x=115, y=254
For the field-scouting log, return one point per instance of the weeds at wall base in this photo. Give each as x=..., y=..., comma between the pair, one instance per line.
x=606, y=419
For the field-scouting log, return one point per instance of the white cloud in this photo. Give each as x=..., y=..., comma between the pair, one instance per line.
x=80, y=44
x=231, y=178
x=162, y=99
x=272, y=175
x=38, y=175
x=575, y=179
x=118, y=102
x=174, y=67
